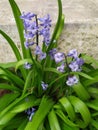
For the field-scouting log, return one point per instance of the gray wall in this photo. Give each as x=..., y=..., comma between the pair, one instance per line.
x=80, y=31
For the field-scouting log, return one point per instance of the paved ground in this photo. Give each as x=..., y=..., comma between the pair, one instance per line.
x=74, y=10
x=81, y=24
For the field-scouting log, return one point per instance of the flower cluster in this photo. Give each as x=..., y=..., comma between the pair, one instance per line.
x=77, y=62
x=74, y=66
x=35, y=27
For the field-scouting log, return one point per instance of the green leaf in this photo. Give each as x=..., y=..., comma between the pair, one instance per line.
x=93, y=91
x=10, y=106
x=16, y=122
x=59, y=25
x=94, y=74
x=9, y=87
x=90, y=59
x=25, y=104
x=19, y=23
x=64, y=126
x=93, y=104
x=12, y=44
x=12, y=76
x=7, y=99
x=83, y=75
x=23, y=124
x=81, y=91
x=95, y=123
x=90, y=82
x=59, y=78
x=6, y=118
x=53, y=121
x=80, y=107
x=40, y=114
x=52, y=70
x=65, y=118
x=68, y=107
x=8, y=65
x=29, y=81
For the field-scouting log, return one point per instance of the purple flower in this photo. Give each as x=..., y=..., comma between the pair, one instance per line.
x=27, y=44
x=72, y=80
x=42, y=56
x=28, y=35
x=59, y=57
x=30, y=112
x=52, y=52
x=38, y=50
x=73, y=53
x=80, y=61
x=46, y=21
x=44, y=85
x=27, y=16
x=27, y=65
x=45, y=32
x=74, y=66
x=33, y=28
x=61, y=68
x=26, y=24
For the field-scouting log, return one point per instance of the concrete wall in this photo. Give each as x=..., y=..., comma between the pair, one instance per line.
x=80, y=31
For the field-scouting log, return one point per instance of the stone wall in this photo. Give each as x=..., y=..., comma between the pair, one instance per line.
x=80, y=31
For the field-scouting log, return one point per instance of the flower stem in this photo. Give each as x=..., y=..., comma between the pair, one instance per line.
x=37, y=38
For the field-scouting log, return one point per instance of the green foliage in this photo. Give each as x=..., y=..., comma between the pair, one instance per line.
x=56, y=107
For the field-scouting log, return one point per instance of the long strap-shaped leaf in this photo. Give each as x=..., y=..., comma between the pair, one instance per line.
x=80, y=107
x=59, y=25
x=65, y=118
x=45, y=106
x=17, y=13
x=81, y=91
x=9, y=87
x=12, y=44
x=7, y=99
x=53, y=121
x=12, y=76
x=8, y=65
x=15, y=50
x=24, y=105
x=68, y=107
x=10, y=106
x=28, y=82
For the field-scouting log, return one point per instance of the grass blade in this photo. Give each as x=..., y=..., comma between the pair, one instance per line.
x=19, y=23
x=68, y=107
x=40, y=114
x=80, y=107
x=9, y=87
x=53, y=121
x=12, y=44
x=59, y=25
x=7, y=99
x=12, y=76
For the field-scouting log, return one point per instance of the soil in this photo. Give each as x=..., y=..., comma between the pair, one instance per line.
x=3, y=92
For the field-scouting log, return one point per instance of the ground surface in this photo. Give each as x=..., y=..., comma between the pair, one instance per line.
x=81, y=24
